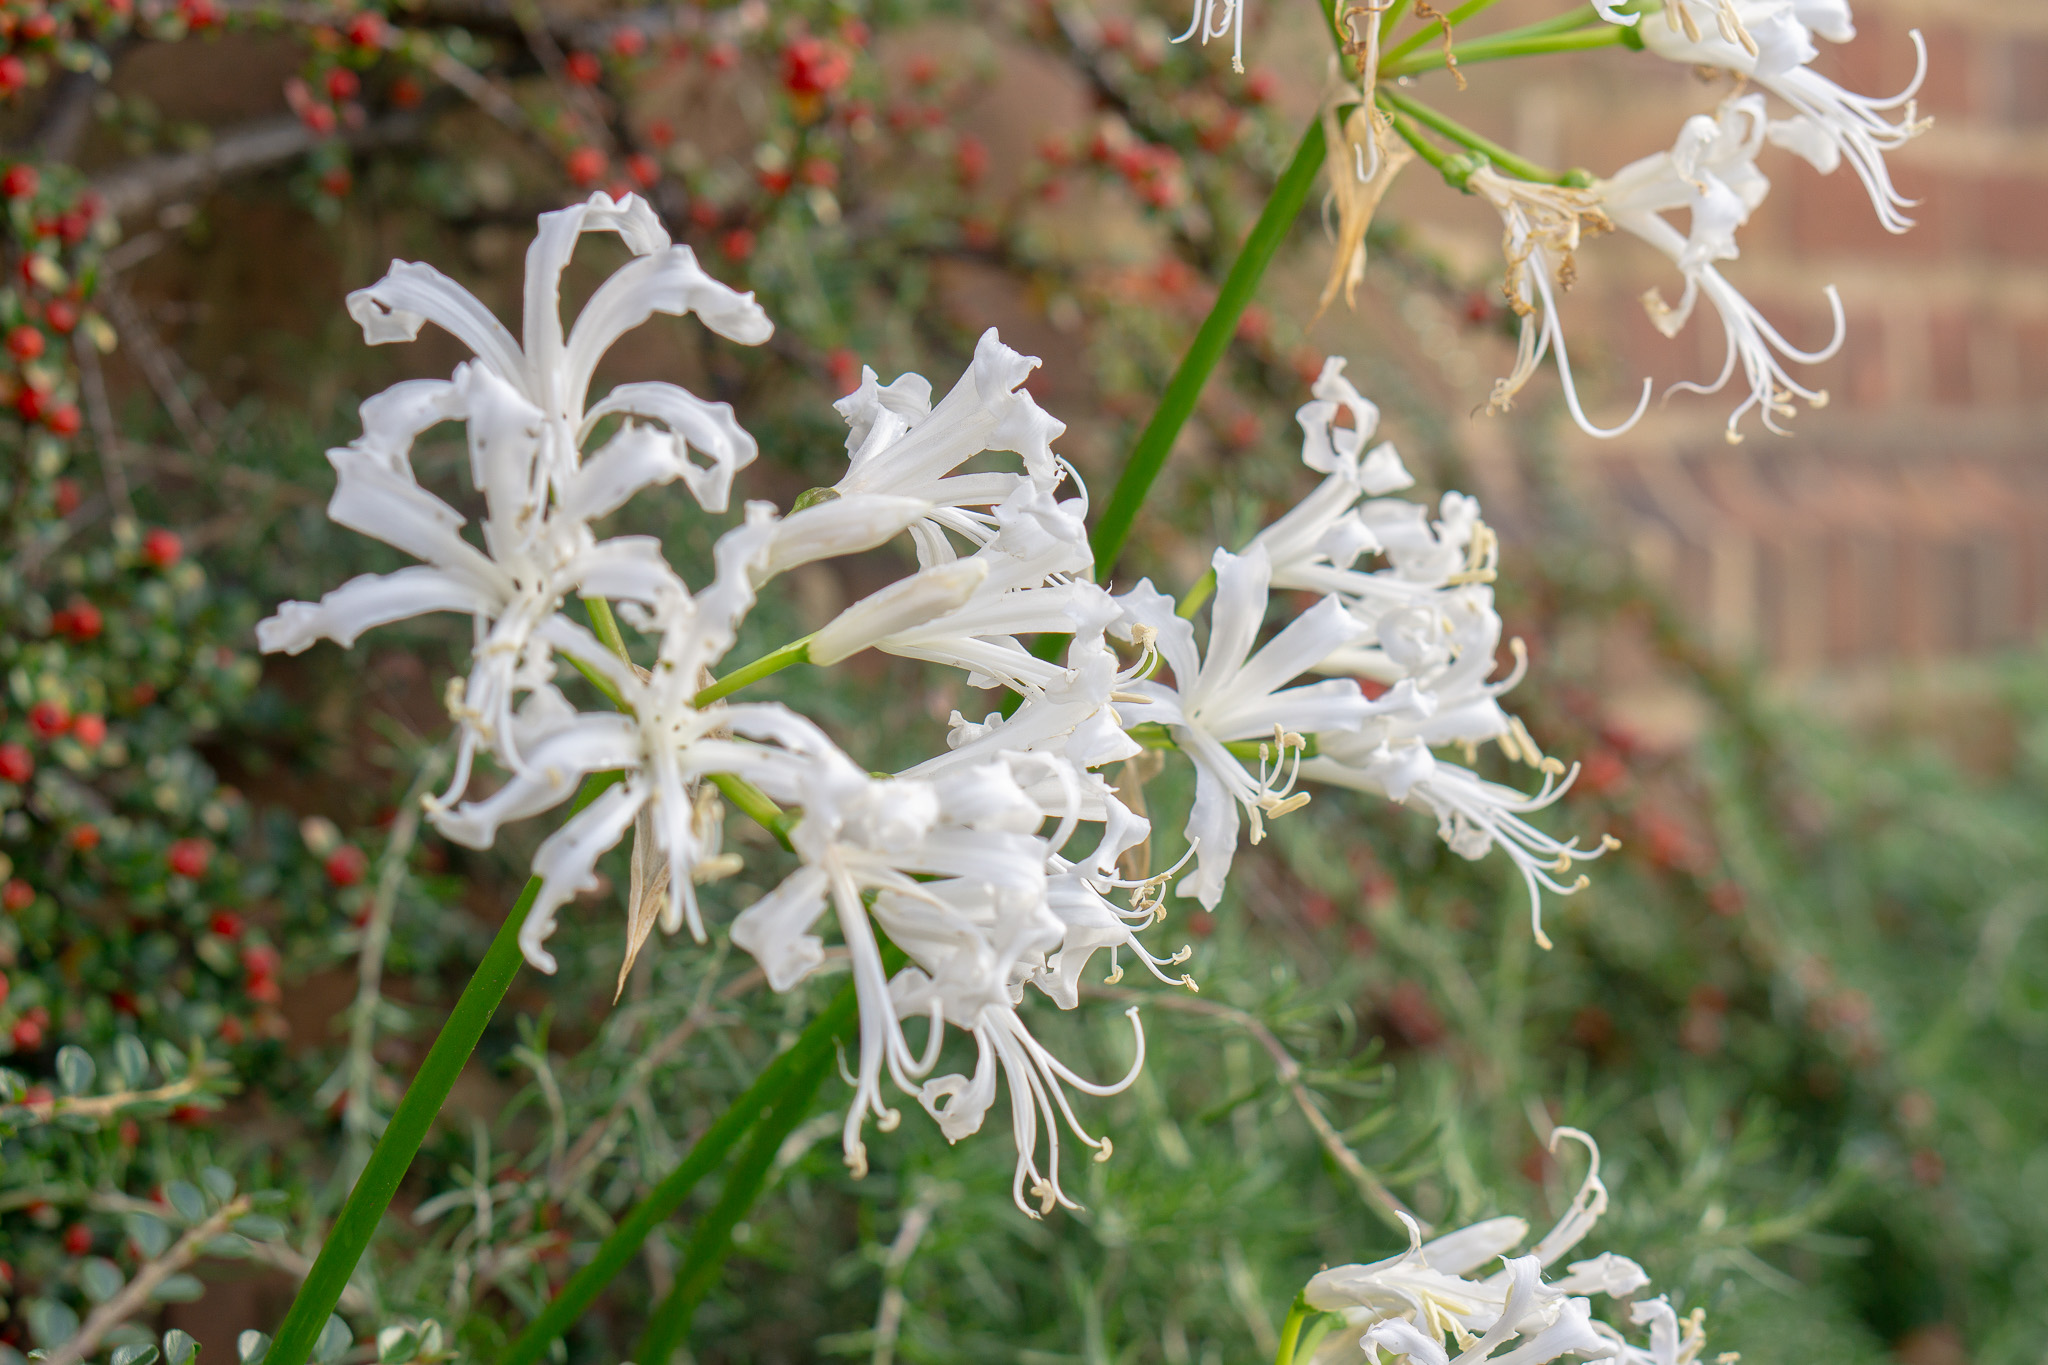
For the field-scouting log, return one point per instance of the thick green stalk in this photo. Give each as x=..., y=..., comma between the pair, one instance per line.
x=1155, y=443
x=1455, y=170
x=712, y=1240
x=796, y=1070
x=795, y=652
x=1506, y=45
x=1290, y=1331
x=409, y=1124
x=1459, y=133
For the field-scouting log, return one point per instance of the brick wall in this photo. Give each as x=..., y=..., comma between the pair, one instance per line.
x=1908, y=520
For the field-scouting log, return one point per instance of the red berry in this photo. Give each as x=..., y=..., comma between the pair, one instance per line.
x=85, y=838
x=643, y=168
x=775, y=182
x=130, y=1132
x=319, y=117
x=162, y=548
x=17, y=896
x=346, y=865
x=39, y=27
x=343, y=84
x=64, y=419
x=189, y=857
x=812, y=66
x=260, y=961
x=200, y=15
x=28, y=1035
x=49, y=719
x=366, y=29
x=231, y=1031
x=62, y=316
x=68, y=497
x=970, y=158
x=819, y=171
x=583, y=68
x=585, y=166
x=6, y=1275
x=142, y=694
x=264, y=990
x=337, y=182
x=4, y=988
x=91, y=731
x=661, y=133
x=123, y=1003
x=29, y=403
x=406, y=93
x=737, y=244
x=226, y=923
x=25, y=342
x=629, y=42
x=722, y=57
x=78, y=1239
x=16, y=766
x=13, y=74
x=20, y=181
x=923, y=70
x=83, y=621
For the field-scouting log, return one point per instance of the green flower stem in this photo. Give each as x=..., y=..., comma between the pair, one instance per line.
x=795, y=652
x=1432, y=31
x=756, y=805
x=1290, y=1331
x=1191, y=600
x=1459, y=133
x=605, y=624
x=1454, y=169
x=712, y=1240
x=795, y=1072
x=409, y=1124
x=1516, y=44
x=1155, y=443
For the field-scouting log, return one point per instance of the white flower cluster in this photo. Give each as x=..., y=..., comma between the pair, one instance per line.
x=1410, y=1304
x=1710, y=174
x=974, y=863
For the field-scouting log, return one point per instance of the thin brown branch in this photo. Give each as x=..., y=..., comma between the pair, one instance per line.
x=134, y=1296
x=138, y=186
x=106, y=1106
x=106, y=437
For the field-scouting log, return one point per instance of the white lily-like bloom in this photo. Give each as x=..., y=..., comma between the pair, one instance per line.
x=899, y=444
x=958, y=877
x=1771, y=43
x=527, y=426
x=1542, y=226
x=1711, y=172
x=1409, y=1303
x=662, y=742
x=1232, y=695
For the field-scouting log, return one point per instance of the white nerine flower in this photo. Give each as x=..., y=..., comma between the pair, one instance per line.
x=899, y=444
x=958, y=877
x=1409, y=1303
x=662, y=742
x=1771, y=43
x=1234, y=695
x=1542, y=228
x=527, y=425
x=1711, y=172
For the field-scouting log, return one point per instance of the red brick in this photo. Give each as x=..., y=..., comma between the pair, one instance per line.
x=2015, y=215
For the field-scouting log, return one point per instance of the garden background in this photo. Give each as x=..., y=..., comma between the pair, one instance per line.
x=1803, y=1009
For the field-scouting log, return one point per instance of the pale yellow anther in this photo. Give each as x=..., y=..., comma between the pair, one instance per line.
x=1106, y=1150
x=1287, y=807
x=1116, y=974
x=1189, y=982
x=1581, y=884
x=1608, y=843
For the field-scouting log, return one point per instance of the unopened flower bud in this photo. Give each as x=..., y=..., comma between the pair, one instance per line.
x=915, y=600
